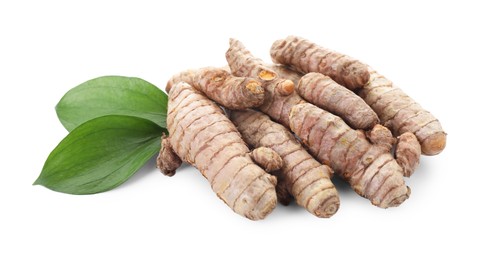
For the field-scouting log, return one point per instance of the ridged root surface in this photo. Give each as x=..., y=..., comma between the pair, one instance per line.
x=370, y=169
x=325, y=93
x=222, y=87
x=279, y=92
x=307, y=180
x=305, y=56
x=402, y=114
x=203, y=136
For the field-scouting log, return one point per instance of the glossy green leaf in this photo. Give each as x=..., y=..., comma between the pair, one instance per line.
x=112, y=95
x=100, y=154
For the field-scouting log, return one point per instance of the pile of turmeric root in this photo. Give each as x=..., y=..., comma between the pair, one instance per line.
x=262, y=133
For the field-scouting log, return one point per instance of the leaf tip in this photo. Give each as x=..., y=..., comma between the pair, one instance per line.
x=37, y=182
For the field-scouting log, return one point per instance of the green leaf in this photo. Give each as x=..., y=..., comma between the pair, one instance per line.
x=100, y=154
x=112, y=95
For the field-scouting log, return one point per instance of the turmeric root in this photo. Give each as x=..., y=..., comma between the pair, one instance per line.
x=286, y=73
x=243, y=64
x=303, y=177
x=275, y=98
x=370, y=169
x=219, y=85
x=167, y=161
x=203, y=136
x=187, y=76
x=305, y=56
x=267, y=158
x=323, y=92
x=407, y=153
x=251, y=66
x=401, y=113
x=382, y=136
x=281, y=88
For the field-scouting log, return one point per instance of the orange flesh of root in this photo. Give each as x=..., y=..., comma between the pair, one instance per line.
x=288, y=86
x=254, y=87
x=267, y=75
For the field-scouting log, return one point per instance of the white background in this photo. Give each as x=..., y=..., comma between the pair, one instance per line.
x=434, y=50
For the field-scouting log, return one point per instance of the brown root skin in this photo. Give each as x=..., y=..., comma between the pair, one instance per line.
x=277, y=104
x=305, y=56
x=219, y=85
x=168, y=161
x=286, y=73
x=267, y=158
x=408, y=153
x=245, y=64
x=370, y=169
x=279, y=93
x=402, y=114
x=325, y=93
x=382, y=136
x=301, y=176
x=202, y=135
x=184, y=76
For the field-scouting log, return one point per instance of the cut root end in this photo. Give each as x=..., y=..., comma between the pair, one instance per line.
x=285, y=87
x=255, y=87
x=434, y=144
x=267, y=75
